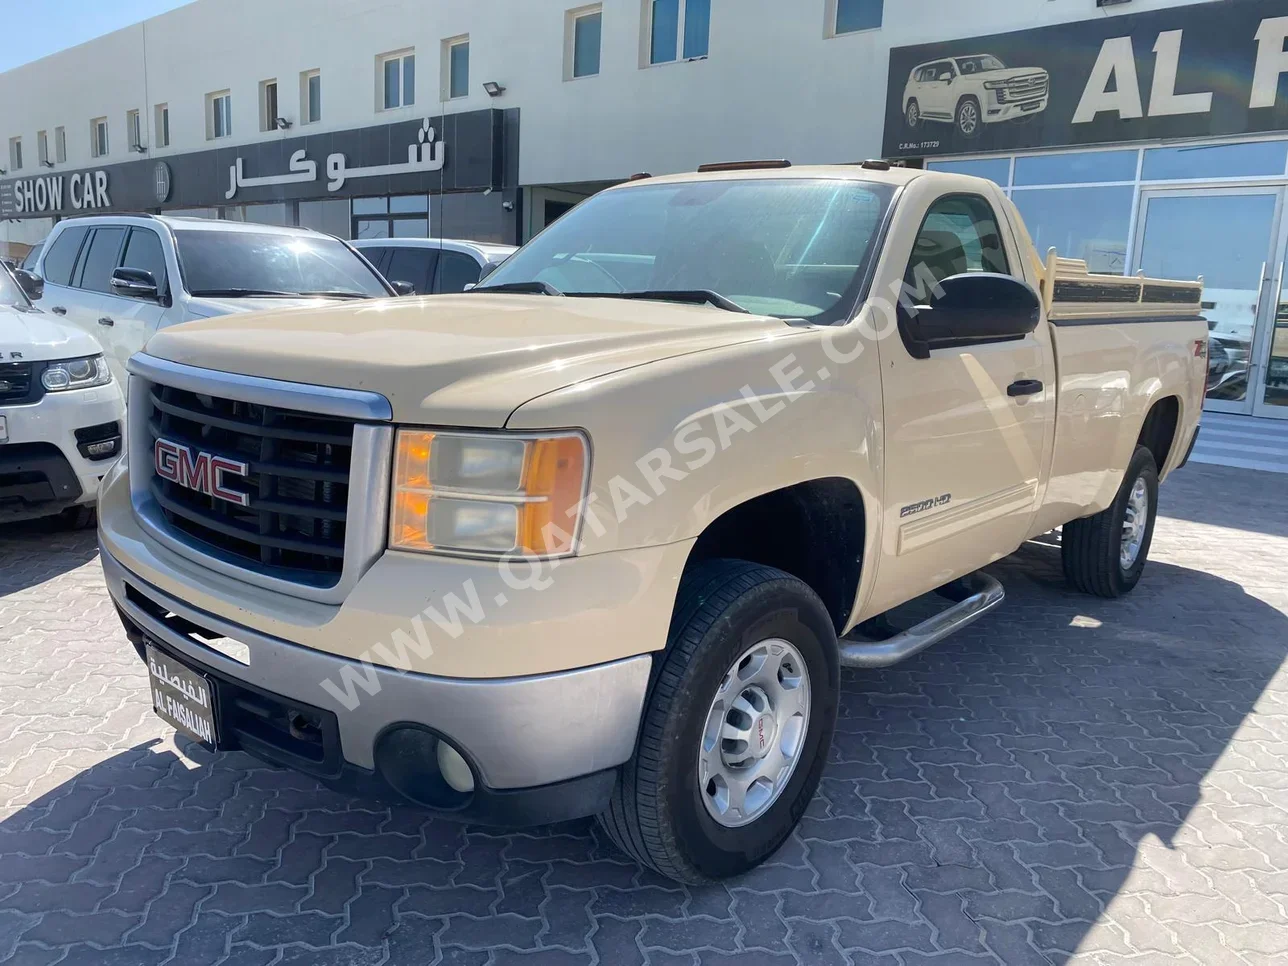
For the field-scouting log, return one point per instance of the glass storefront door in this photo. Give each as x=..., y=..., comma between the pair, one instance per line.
x=1231, y=237
x=1270, y=383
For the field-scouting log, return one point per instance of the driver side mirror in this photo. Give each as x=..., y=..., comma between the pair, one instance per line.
x=135, y=283
x=31, y=283
x=403, y=288
x=969, y=309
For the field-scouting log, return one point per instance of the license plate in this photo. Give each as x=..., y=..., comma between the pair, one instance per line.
x=4, y=430
x=182, y=697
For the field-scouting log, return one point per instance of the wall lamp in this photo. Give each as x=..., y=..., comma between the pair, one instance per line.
x=282, y=124
x=493, y=89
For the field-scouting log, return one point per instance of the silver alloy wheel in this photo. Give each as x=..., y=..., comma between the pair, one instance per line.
x=754, y=733
x=913, y=116
x=1134, y=524
x=968, y=118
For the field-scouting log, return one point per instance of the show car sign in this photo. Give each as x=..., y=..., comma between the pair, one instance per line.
x=1205, y=70
x=405, y=157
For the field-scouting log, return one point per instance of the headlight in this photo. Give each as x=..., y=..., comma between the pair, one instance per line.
x=76, y=374
x=995, y=85
x=487, y=494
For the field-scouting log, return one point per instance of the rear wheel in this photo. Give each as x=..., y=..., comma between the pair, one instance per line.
x=736, y=728
x=1105, y=554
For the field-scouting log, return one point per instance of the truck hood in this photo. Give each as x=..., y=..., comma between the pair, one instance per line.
x=208, y=308
x=457, y=360
x=38, y=337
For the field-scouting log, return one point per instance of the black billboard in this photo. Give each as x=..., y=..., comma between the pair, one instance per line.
x=1203, y=70
x=438, y=153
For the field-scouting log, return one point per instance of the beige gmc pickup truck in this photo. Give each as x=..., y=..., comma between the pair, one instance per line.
x=597, y=537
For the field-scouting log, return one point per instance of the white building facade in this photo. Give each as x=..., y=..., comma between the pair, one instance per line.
x=1146, y=134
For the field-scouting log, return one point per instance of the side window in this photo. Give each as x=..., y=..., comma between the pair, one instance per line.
x=415, y=265
x=958, y=235
x=95, y=272
x=144, y=251
x=61, y=257
x=455, y=271
x=377, y=257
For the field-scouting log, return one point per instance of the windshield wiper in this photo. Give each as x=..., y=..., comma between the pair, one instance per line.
x=697, y=296
x=522, y=288
x=241, y=293
x=335, y=295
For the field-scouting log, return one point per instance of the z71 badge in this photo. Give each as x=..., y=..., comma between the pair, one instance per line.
x=912, y=508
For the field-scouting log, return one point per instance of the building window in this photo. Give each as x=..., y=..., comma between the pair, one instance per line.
x=582, y=36
x=850, y=16
x=678, y=29
x=98, y=137
x=396, y=74
x=268, y=113
x=162, y=124
x=456, y=67
x=42, y=148
x=60, y=145
x=219, y=115
x=133, y=131
x=15, y=154
x=311, y=96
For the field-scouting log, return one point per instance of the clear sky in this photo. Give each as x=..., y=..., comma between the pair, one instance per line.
x=37, y=28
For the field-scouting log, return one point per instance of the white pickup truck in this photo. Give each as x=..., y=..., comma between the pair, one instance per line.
x=597, y=536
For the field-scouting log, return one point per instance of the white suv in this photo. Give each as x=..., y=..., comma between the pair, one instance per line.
x=61, y=412
x=122, y=277
x=434, y=266
x=970, y=91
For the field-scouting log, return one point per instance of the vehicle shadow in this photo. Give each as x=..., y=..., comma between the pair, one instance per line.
x=1221, y=496
x=989, y=797
x=34, y=551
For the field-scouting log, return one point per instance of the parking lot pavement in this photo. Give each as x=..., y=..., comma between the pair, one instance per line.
x=1070, y=779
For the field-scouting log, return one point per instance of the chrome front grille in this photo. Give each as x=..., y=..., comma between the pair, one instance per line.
x=296, y=487
x=1030, y=87
x=303, y=509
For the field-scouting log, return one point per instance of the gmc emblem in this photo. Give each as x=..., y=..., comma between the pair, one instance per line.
x=201, y=472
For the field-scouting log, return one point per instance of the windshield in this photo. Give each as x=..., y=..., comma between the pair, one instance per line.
x=10, y=294
x=791, y=248
x=973, y=65
x=233, y=263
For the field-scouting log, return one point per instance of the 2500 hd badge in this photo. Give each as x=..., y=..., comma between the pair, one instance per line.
x=924, y=505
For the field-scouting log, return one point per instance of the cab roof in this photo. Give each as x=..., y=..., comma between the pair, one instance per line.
x=833, y=172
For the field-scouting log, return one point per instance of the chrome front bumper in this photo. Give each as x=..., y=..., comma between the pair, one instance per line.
x=516, y=733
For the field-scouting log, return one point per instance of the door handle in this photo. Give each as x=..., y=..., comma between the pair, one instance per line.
x=58, y=310
x=106, y=321
x=1024, y=387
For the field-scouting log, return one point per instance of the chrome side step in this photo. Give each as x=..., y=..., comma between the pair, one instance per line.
x=983, y=593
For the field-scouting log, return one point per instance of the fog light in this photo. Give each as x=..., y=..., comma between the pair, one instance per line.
x=102, y=449
x=455, y=771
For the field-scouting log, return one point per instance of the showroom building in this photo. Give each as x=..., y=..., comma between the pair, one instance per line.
x=1137, y=134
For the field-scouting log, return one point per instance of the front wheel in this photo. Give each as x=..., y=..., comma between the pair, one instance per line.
x=968, y=119
x=736, y=729
x=913, y=114
x=1105, y=554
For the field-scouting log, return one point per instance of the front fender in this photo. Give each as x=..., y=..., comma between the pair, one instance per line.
x=675, y=444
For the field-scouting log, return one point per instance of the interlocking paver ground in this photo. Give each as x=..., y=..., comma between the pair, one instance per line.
x=1069, y=780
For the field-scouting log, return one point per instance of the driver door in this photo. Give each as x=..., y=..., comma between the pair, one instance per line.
x=968, y=428
x=939, y=92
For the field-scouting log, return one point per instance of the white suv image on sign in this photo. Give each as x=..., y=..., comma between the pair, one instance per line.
x=123, y=277
x=969, y=91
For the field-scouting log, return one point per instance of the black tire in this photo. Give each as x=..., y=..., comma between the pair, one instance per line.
x=79, y=517
x=912, y=115
x=963, y=115
x=657, y=815
x=1090, y=547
